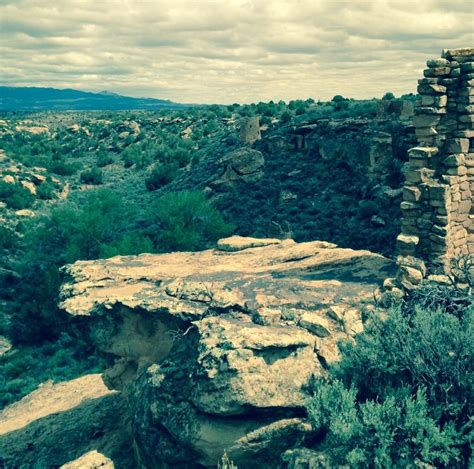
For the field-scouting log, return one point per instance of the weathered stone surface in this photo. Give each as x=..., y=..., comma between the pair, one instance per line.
x=60, y=422
x=462, y=52
x=242, y=165
x=216, y=350
x=239, y=243
x=90, y=460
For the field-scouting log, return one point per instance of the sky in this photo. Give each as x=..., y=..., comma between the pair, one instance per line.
x=226, y=51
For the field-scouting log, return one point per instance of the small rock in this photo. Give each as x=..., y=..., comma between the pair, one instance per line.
x=9, y=179
x=29, y=186
x=239, y=243
x=91, y=460
x=316, y=324
x=377, y=221
x=25, y=213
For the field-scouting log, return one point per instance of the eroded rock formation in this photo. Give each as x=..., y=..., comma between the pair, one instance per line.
x=438, y=214
x=217, y=350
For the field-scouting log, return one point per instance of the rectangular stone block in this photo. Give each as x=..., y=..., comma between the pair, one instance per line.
x=464, y=206
x=462, y=52
x=466, y=92
x=439, y=230
x=465, y=134
x=423, y=132
x=453, y=161
x=432, y=63
x=418, y=175
x=457, y=145
x=465, y=67
x=467, y=118
x=411, y=194
x=429, y=110
x=448, y=81
x=437, y=72
x=430, y=100
x=458, y=171
x=422, y=152
x=431, y=89
x=465, y=109
x=440, y=220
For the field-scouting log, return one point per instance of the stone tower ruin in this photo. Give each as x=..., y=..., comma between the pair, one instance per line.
x=437, y=210
x=250, y=130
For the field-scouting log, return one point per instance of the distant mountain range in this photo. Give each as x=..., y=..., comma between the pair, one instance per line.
x=51, y=99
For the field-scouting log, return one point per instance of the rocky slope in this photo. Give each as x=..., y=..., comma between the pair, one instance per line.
x=218, y=350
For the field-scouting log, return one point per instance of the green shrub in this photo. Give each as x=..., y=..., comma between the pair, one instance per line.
x=187, y=221
x=138, y=154
x=396, y=432
x=161, y=175
x=15, y=196
x=8, y=238
x=403, y=392
x=69, y=233
x=104, y=159
x=285, y=117
x=92, y=176
x=62, y=360
x=62, y=167
x=129, y=244
x=45, y=190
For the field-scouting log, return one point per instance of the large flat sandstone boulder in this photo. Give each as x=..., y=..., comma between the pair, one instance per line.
x=217, y=350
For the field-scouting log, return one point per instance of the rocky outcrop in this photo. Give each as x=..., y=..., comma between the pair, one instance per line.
x=60, y=422
x=90, y=460
x=243, y=165
x=217, y=351
x=371, y=144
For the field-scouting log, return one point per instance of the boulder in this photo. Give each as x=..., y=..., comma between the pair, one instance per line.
x=239, y=243
x=59, y=422
x=29, y=186
x=90, y=460
x=217, y=350
x=242, y=165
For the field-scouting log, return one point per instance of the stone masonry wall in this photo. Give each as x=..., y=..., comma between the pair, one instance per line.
x=437, y=209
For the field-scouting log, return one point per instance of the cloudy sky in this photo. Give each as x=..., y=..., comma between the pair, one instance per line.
x=227, y=51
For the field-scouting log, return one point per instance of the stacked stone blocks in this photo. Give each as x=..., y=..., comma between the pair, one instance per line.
x=437, y=212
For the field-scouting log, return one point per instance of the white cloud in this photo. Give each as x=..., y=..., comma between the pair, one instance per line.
x=228, y=50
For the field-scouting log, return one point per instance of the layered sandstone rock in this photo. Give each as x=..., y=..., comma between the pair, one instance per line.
x=216, y=351
x=62, y=421
x=242, y=165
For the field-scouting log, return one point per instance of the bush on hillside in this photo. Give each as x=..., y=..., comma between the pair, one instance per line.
x=8, y=238
x=187, y=221
x=22, y=372
x=45, y=190
x=104, y=159
x=15, y=196
x=402, y=393
x=161, y=175
x=98, y=227
x=92, y=176
x=62, y=167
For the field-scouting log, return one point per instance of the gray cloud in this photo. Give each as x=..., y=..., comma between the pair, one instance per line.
x=228, y=50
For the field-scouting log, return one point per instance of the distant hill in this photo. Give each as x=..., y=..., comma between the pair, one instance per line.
x=51, y=99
